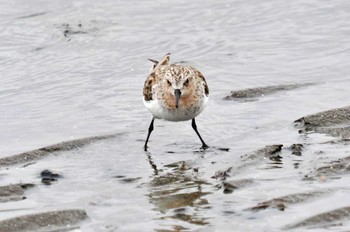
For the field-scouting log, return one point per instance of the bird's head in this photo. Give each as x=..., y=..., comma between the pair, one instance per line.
x=177, y=81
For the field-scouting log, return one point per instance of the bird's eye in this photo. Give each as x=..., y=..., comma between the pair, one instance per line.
x=186, y=82
x=168, y=82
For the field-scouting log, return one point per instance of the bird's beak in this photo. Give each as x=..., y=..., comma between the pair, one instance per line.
x=177, y=97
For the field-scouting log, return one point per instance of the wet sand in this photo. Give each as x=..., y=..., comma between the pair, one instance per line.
x=166, y=189
x=73, y=123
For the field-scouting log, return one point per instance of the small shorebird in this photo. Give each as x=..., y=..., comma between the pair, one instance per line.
x=175, y=92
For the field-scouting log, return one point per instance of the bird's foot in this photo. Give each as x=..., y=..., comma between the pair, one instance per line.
x=204, y=146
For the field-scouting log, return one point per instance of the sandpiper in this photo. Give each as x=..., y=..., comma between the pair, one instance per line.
x=175, y=92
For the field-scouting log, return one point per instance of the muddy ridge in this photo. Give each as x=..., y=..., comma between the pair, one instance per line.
x=262, y=91
x=34, y=155
x=13, y=192
x=323, y=220
x=334, y=122
x=64, y=220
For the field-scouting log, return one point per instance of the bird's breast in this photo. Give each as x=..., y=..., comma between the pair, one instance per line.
x=188, y=108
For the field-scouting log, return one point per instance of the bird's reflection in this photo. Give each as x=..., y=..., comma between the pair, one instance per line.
x=178, y=193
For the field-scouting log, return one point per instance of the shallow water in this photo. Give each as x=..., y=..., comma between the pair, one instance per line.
x=74, y=69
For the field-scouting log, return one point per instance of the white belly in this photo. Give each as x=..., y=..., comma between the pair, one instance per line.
x=178, y=114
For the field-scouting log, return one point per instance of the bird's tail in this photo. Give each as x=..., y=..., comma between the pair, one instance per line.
x=164, y=61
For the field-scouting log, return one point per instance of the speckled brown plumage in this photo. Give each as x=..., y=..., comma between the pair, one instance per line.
x=175, y=92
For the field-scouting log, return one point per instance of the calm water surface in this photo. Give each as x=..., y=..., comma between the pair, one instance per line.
x=71, y=69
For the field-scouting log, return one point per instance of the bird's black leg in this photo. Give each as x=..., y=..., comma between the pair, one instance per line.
x=150, y=129
x=194, y=126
